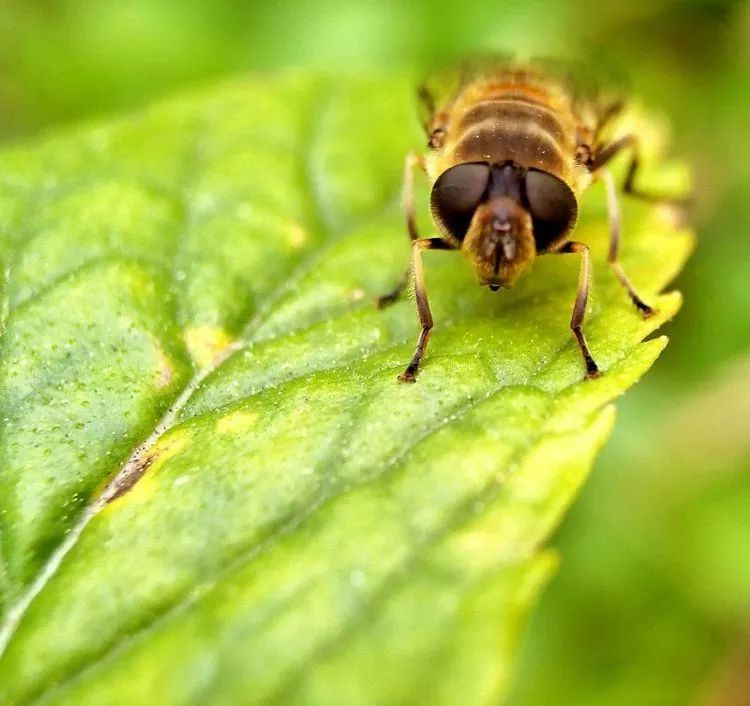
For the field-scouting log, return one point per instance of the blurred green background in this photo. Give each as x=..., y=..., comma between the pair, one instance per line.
x=652, y=602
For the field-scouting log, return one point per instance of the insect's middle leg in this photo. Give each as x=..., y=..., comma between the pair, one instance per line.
x=613, y=208
x=579, y=308
x=423, y=306
x=413, y=161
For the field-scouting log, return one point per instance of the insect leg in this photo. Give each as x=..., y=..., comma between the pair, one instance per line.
x=579, y=308
x=614, y=243
x=413, y=161
x=603, y=157
x=423, y=307
x=426, y=105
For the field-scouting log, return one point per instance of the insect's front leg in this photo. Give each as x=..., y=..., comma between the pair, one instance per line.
x=423, y=306
x=613, y=208
x=579, y=308
x=413, y=161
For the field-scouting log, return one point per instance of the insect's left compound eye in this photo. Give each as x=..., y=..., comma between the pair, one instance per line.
x=456, y=194
x=552, y=204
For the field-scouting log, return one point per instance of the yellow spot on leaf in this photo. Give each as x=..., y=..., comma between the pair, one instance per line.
x=236, y=422
x=206, y=344
x=670, y=216
x=653, y=130
x=478, y=542
x=297, y=235
x=168, y=446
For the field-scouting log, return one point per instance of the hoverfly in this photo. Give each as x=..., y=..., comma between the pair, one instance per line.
x=511, y=149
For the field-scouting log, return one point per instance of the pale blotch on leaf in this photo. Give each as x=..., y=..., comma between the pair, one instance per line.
x=355, y=295
x=670, y=215
x=168, y=446
x=653, y=129
x=297, y=235
x=206, y=344
x=164, y=367
x=236, y=422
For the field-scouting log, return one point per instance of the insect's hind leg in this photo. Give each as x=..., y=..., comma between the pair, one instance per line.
x=579, y=308
x=606, y=154
x=615, y=225
x=412, y=162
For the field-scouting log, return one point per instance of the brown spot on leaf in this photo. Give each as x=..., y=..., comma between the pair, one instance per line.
x=129, y=477
x=146, y=458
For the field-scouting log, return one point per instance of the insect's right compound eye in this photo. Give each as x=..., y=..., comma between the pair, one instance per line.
x=456, y=194
x=553, y=207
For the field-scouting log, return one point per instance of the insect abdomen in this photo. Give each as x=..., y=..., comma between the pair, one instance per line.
x=501, y=129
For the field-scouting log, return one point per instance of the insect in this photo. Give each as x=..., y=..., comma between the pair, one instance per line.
x=511, y=150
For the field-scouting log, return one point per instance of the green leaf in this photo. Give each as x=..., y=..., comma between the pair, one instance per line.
x=213, y=489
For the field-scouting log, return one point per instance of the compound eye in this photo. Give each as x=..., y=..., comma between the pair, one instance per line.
x=456, y=194
x=552, y=205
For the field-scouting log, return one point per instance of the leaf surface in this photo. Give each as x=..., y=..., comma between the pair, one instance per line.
x=212, y=487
